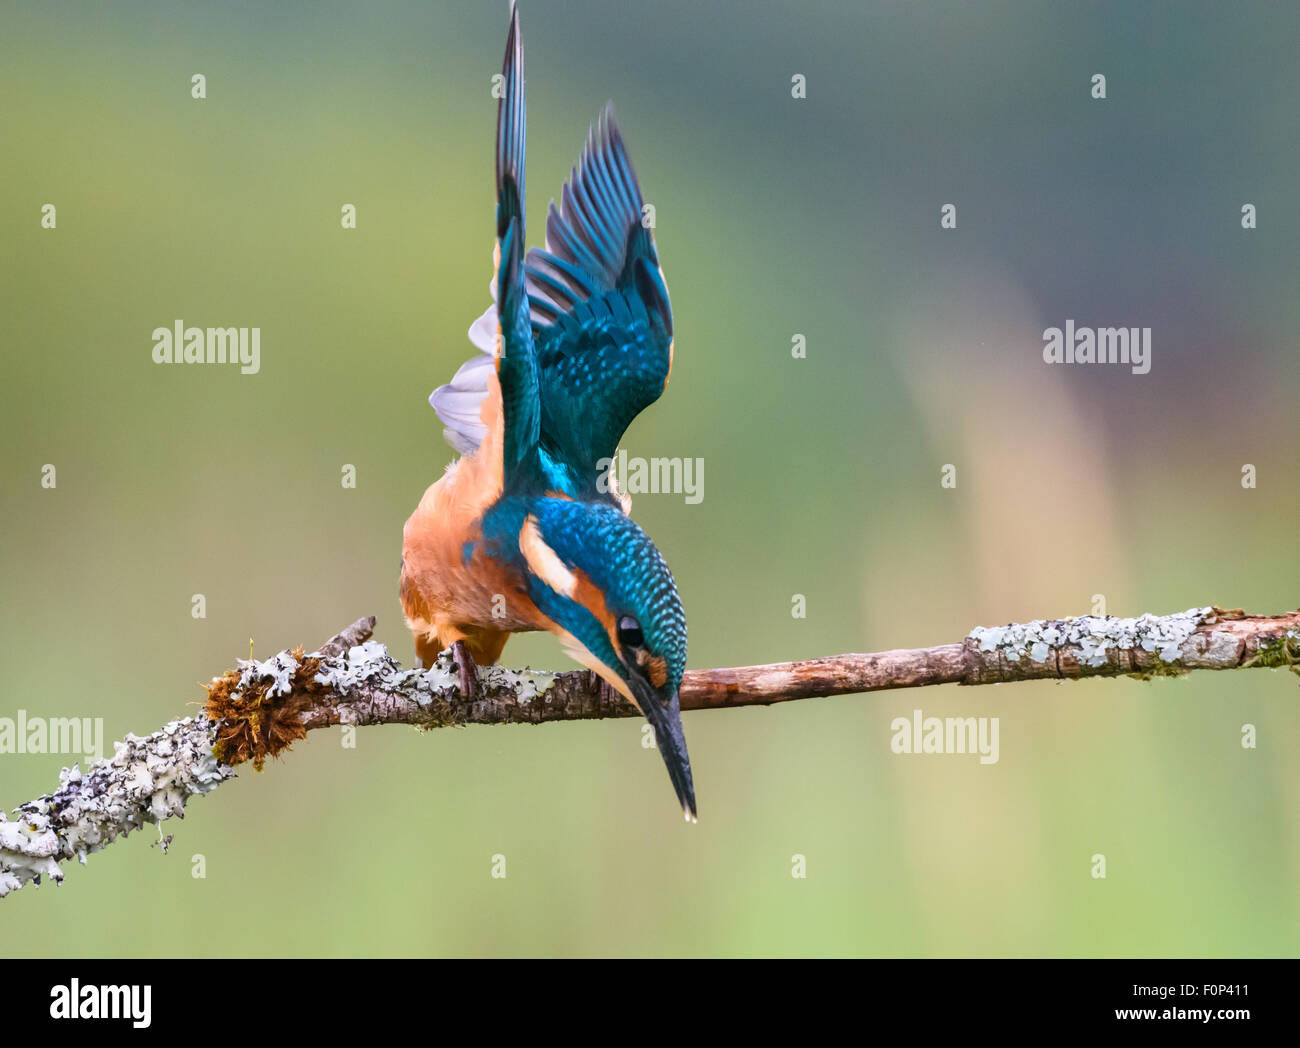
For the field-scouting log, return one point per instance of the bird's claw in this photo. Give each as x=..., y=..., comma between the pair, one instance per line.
x=468, y=671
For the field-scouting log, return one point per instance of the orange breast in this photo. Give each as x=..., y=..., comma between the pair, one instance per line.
x=444, y=598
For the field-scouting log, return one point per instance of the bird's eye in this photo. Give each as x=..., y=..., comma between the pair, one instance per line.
x=629, y=632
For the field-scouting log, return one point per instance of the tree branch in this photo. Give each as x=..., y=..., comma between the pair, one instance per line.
x=260, y=708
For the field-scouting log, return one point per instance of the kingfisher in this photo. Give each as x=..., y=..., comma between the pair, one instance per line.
x=526, y=529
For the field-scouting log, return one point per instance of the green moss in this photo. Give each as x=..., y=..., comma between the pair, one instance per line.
x=1278, y=652
x=440, y=714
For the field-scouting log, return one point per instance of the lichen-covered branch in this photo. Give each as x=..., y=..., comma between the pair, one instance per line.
x=260, y=708
x=1067, y=649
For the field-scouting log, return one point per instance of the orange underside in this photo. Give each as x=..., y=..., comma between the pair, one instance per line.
x=445, y=599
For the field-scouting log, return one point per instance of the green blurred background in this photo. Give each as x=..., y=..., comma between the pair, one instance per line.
x=774, y=217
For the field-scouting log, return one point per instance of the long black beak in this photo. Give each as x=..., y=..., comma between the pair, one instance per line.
x=666, y=719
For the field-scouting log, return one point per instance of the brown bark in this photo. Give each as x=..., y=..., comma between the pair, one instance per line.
x=1230, y=641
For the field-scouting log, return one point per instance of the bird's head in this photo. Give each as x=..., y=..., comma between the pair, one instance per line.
x=608, y=594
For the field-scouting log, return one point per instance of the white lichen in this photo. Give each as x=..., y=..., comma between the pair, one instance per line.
x=525, y=684
x=370, y=665
x=279, y=670
x=1095, y=637
x=146, y=781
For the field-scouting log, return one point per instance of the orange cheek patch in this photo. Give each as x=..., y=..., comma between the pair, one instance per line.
x=658, y=671
x=654, y=666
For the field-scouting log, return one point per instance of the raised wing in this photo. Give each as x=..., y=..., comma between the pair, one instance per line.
x=580, y=337
x=601, y=320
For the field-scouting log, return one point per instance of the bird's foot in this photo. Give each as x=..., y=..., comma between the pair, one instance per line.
x=468, y=671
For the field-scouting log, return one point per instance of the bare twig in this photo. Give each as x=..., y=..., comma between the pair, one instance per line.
x=260, y=708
